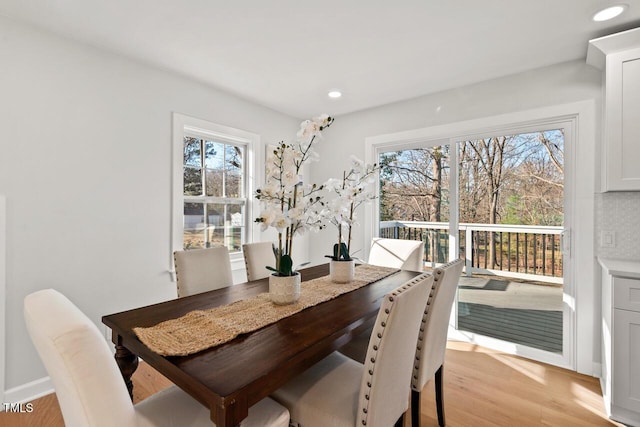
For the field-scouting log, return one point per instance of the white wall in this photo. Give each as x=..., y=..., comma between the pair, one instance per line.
x=85, y=164
x=3, y=253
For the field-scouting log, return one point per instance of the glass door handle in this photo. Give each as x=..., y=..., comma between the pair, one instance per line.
x=565, y=238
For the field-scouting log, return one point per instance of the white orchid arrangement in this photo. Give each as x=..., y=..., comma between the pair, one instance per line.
x=288, y=205
x=354, y=189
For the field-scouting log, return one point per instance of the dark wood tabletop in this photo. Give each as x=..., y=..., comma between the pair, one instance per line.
x=230, y=378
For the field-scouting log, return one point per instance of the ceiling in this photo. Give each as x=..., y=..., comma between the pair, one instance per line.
x=287, y=54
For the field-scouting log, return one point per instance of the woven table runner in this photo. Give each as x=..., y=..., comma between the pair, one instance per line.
x=203, y=329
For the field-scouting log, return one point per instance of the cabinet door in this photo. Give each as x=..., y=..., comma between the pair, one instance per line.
x=622, y=121
x=626, y=293
x=626, y=359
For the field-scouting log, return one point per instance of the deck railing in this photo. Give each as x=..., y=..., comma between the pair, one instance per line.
x=520, y=251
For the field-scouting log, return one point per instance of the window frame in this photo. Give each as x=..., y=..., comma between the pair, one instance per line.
x=189, y=126
x=579, y=162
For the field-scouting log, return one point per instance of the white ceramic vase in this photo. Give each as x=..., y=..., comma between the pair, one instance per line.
x=284, y=289
x=342, y=271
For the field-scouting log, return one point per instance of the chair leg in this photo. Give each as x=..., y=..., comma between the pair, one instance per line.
x=415, y=408
x=439, y=397
x=400, y=421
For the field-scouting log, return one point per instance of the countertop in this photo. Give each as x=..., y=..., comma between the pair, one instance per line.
x=621, y=268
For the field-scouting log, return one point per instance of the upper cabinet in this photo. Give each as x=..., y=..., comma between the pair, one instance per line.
x=618, y=55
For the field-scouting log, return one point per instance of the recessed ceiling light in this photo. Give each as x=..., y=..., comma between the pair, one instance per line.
x=335, y=94
x=609, y=13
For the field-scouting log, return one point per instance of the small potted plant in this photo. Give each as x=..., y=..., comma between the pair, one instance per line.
x=354, y=189
x=290, y=206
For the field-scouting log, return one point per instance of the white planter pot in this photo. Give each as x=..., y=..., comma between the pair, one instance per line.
x=342, y=271
x=284, y=289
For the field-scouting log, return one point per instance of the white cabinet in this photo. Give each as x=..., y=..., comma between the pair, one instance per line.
x=621, y=340
x=619, y=56
x=626, y=355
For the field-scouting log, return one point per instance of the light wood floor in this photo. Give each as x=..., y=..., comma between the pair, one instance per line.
x=482, y=388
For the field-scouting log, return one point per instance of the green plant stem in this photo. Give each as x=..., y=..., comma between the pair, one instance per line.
x=279, y=252
x=350, y=222
x=281, y=158
x=290, y=228
x=344, y=184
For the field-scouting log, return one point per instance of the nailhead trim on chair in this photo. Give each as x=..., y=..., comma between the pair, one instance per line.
x=437, y=277
x=246, y=257
x=246, y=266
x=176, y=269
x=376, y=345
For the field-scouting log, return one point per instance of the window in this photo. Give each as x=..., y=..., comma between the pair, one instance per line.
x=577, y=121
x=214, y=199
x=213, y=166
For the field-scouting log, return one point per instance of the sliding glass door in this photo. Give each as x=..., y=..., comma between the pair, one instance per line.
x=498, y=201
x=511, y=206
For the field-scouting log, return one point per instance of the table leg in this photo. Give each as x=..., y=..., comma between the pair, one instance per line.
x=127, y=362
x=230, y=413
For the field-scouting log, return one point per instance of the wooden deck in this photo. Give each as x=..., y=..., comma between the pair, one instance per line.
x=527, y=313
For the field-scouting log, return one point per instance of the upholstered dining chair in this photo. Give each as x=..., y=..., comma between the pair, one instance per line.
x=88, y=383
x=394, y=253
x=201, y=270
x=397, y=253
x=256, y=257
x=338, y=391
x=432, y=339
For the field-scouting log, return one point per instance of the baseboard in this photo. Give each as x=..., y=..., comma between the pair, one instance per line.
x=597, y=369
x=30, y=391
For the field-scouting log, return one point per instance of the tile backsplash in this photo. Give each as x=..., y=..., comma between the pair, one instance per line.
x=618, y=213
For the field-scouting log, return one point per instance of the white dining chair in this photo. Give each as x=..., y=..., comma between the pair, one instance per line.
x=397, y=253
x=257, y=256
x=201, y=270
x=88, y=383
x=338, y=391
x=432, y=339
x=394, y=253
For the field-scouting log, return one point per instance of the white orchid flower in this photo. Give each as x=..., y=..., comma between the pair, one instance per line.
x=287, y=204
x=281, y=223
x=290, y=178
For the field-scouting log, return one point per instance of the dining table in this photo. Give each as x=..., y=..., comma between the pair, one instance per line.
x=231, y=377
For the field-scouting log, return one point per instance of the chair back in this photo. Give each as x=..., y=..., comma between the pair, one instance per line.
x=257, y=256
x=432, y=340
x=384, y=395
x=201, y=270
x=397, y=253
x=88, y=384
